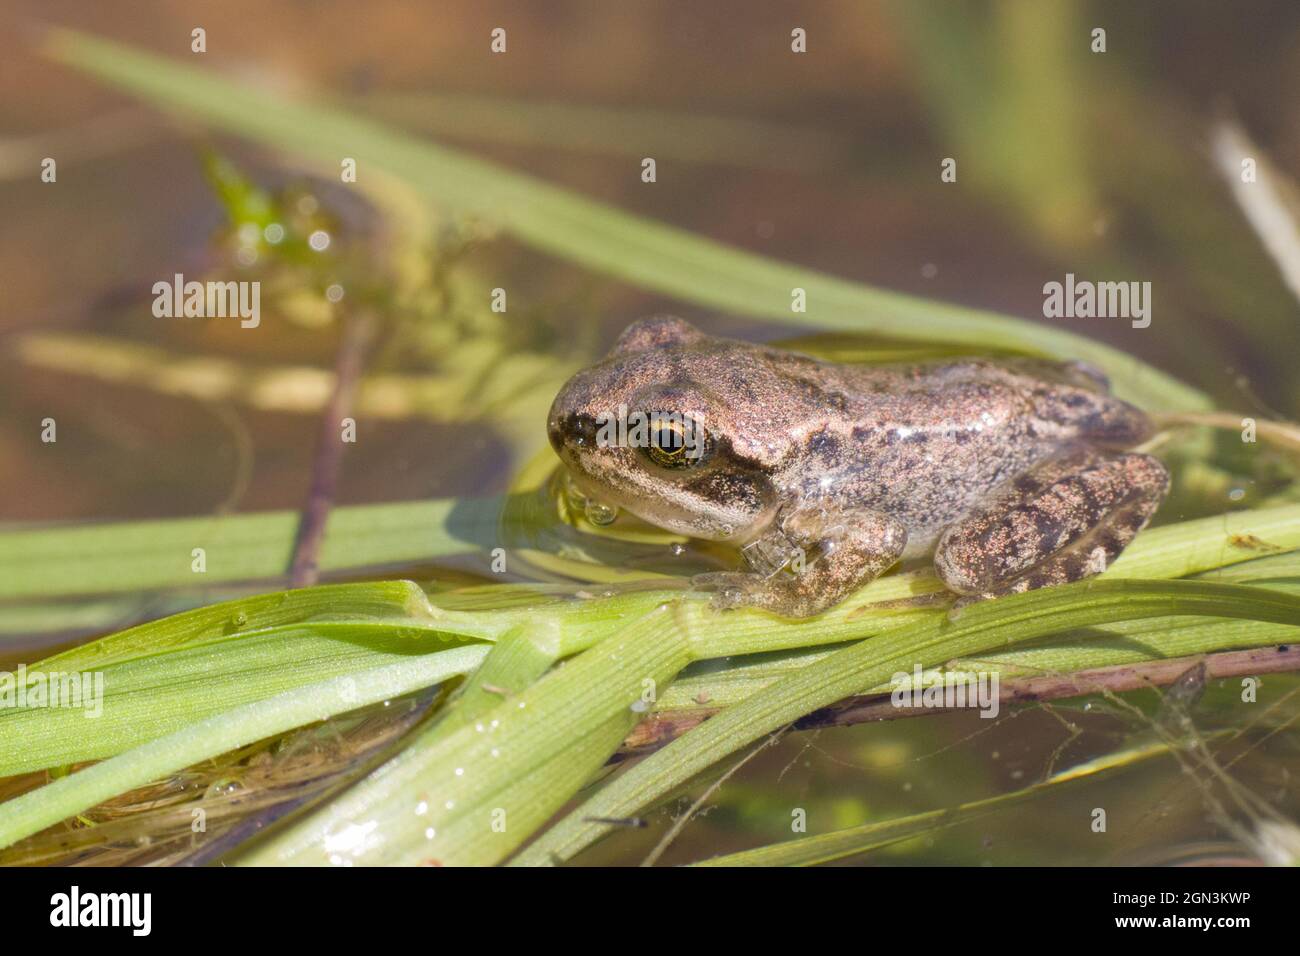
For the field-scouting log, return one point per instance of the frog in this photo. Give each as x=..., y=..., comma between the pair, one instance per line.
x=1006, y=474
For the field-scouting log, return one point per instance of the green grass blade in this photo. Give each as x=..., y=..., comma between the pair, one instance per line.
x=402, y=601
x=154, y=679
x=619, y=131
x=471, y=796
x=869, y=663
x=141, y=555
x=851, y=841
x=67, y=796
x=600, y=237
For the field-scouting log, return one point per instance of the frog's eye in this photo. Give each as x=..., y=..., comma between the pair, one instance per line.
x=677, y=444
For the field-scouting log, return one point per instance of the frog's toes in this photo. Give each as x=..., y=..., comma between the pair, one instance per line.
x=959, y=606
x=730, y=589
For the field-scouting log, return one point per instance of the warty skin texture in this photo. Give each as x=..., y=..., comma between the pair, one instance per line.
x=1012, y=473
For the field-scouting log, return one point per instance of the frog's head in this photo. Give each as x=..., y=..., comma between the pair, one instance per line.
x=647, y=430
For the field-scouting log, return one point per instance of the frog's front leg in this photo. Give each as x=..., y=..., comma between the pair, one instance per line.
x=1065, y=520
x=814, y=555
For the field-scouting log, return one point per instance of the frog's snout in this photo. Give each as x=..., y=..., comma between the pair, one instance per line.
x=553, y=432
x=570, y=430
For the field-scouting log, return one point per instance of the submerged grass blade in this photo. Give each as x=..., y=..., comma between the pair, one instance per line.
x=868, y=663
x=828, y=847
x=623, y=131
x=126, y=689
x=590, y=706
x=641, y=251
x=67, y=796
x=471, y=796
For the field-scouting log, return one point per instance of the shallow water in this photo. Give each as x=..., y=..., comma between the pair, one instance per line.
x=1069, y=163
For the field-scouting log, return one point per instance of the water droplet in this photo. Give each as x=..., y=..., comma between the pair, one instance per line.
x=430, y=833
x=677, y=549
x=221, y=788
x=421, y=808
x=599, y=514
x=460, y=771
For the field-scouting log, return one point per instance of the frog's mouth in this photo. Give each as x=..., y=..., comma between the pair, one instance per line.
x=662, y=506
x=716, y=505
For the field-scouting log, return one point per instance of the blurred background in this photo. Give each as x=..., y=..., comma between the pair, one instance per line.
x=1069, y=161
x=1096, y=164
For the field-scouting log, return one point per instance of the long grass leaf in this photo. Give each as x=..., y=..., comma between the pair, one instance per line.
x=600, y=237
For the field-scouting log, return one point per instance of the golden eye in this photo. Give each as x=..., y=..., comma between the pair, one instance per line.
x=676, y=445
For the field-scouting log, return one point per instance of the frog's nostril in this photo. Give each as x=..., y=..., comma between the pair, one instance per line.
x=572, y=429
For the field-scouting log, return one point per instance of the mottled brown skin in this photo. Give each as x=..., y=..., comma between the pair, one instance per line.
x=1011, y=473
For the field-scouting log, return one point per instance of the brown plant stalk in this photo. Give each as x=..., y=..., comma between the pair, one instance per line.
x=660, y=729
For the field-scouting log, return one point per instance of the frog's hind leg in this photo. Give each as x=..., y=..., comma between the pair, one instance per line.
x=1065, y=520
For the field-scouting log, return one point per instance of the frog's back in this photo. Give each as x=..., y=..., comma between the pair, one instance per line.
x=929, y=443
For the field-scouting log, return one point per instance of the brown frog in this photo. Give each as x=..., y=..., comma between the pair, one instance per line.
x=1012, y=473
